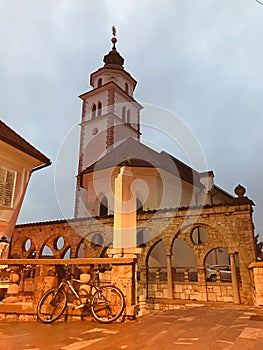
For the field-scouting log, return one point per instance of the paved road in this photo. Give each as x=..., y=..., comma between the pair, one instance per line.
x=200, y=328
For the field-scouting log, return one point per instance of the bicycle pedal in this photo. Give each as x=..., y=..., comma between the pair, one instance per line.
x=78, y=306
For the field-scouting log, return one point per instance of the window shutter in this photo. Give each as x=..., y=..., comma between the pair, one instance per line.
x=7, y=184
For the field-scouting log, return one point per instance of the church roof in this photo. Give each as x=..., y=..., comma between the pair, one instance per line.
x=136, y=154
x=10, y=137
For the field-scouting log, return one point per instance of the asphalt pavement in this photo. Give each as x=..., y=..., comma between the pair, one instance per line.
x=234, y=328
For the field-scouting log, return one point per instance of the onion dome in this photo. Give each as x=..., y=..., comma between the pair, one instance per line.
x=113, y=59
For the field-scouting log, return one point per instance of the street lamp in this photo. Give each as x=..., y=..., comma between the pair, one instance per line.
x=4, y=246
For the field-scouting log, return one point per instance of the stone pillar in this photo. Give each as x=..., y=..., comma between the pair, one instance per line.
x=169, y=276
x=124, y=235
x=236, y=296
x=124, y=276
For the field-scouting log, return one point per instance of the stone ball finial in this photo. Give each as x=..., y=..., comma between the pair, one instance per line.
x=240, y=190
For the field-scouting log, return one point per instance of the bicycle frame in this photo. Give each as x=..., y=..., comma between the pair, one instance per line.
x=68, y=283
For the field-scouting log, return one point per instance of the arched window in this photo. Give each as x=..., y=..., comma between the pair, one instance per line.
x=157, y=263
x=104, y=207
x=99, y=82
x=123, y=113
x=183, y=261
x=126, y=88
x=93, y=111
x=128, y=116
x=139, y=206
x=99, y=108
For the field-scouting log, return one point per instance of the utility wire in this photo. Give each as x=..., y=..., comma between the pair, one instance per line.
x=259, y=2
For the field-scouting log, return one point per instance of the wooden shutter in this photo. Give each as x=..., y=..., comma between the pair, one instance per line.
x=7, y=185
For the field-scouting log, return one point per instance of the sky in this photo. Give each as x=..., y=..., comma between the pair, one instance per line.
x=201, y=60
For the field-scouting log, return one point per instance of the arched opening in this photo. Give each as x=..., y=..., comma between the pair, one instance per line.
x=199, y=235
x=104, y=207
x=99, y=109
x=28, y=245
x=123, y=113
x=47, y=252
x=67, y=254
x=128, y=116
x=184, y=263
x=156, y=263
x=59, y=243
x=217, y=265
x=93, y=111
x=139, y=206
x=99, y=82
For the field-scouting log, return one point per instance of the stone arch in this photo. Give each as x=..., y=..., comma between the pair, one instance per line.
x=183, y=261
x=157, y=254
x=51, y=243
x=156, y=262
x=18, y=248
x=217, y=256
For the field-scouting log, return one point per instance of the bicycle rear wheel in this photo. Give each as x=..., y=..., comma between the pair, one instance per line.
x=52, y=305
x=107, y=304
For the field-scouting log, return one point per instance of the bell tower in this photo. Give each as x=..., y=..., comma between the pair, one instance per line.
x=110, y=114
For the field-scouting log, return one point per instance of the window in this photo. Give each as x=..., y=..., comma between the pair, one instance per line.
x=99, y=82
x=7, y=186
x=199, y=235
x=128, y=116
x=123, y=113
x=104, y=207
x=93, y=111
x=99, y=108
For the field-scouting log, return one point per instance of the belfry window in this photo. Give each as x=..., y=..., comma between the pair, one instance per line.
x=7, y=187
x=99, y=108
x=93, y=111
x=128, y=116
x=104, y=207
x=123, y=113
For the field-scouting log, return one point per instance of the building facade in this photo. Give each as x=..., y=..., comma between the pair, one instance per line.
x=185, y=223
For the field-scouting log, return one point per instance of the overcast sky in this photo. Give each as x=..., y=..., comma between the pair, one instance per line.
x=200, y=59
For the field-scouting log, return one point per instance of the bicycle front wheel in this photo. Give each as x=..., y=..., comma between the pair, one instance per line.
x=52, y=305
x=107, y=304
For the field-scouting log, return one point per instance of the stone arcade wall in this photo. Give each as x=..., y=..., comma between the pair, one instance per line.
x=228, y=226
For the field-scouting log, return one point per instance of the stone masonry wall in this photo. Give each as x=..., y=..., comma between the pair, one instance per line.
x=228, y=226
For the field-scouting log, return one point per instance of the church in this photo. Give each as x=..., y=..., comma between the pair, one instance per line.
x=188, y=229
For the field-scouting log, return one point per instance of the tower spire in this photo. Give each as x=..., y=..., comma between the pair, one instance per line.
x=114, y=39
x=113, y=59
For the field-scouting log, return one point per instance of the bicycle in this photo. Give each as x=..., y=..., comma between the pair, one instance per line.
x=106, y=303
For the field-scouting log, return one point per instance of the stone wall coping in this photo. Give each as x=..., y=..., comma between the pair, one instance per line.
x=77, y=261
x=256, y=264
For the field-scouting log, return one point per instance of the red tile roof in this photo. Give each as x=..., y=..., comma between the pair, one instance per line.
x=10, y=137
